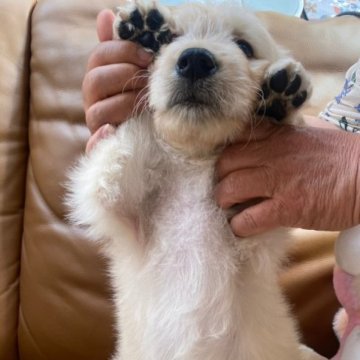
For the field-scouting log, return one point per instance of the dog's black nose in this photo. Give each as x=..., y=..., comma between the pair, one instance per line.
x=196, y=63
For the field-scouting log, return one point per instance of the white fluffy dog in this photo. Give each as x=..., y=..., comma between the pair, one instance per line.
x=185, y=287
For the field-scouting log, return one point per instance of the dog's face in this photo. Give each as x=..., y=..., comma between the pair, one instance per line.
x=205, y=84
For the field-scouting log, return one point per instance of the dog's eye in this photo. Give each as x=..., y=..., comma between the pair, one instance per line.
x=246, y=48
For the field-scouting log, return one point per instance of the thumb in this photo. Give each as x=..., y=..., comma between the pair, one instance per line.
x=104, y=25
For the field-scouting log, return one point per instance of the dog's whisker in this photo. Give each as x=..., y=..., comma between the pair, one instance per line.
x=140, y=101
x=139, y=75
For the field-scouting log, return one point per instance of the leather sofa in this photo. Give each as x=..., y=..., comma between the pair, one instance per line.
x=55, y=300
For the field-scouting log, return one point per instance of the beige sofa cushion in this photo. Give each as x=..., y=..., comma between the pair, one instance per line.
x=14, y=60
x=65, y=312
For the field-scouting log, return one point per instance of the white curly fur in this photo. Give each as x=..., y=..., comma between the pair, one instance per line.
x=185, y=288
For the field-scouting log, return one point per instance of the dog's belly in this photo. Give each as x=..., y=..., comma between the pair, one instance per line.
x=192, y=298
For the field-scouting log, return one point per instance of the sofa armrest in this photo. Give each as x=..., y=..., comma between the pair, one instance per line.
x=14, y=76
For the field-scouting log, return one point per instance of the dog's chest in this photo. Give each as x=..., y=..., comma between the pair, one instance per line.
x=183, y=203
x=184, y=224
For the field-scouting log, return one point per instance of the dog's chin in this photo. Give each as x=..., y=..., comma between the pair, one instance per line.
x=195, y=127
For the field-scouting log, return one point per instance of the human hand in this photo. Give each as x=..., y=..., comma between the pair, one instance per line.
x=113, y=81
x=304, y=176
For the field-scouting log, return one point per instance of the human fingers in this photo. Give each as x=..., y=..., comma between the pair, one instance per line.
x=101, y=133
x=104, y=22
x=253, y=149
x=243, y=185
x=117, y=52
x=114, y=110
x=105, y=81
x=238, y=156
x=258, y=218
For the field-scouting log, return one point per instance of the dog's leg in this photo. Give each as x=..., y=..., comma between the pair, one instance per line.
x=150, y=24
x=110, y=183
x=285, y=88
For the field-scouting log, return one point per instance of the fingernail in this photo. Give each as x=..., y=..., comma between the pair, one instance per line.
x=143, y=55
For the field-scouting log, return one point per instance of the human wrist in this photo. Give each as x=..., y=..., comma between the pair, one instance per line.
x=334, y=180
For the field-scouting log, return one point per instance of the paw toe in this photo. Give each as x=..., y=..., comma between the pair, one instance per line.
x=154, y=20
x=165, y=37
x=126, y=30
x=265, y=91
x=285, y=89
x=137, y=19
x=299, y=99
x=147, y=40
x=148, y=27
x=279, y=81
x=294, y=85
x=276, y=110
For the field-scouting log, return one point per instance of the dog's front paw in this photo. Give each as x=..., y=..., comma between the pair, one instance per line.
x=146, y=24
x=285, y=88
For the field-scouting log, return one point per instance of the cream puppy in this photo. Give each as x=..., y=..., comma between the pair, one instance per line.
x=185, y=287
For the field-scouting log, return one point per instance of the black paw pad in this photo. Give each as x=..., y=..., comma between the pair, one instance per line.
x=282, y=92
x=126, y=30
x=294, y=86
x=136, y=19
x=147, y=40
x=276, y=110
x=154, y=20
x=165, y=37
x=264, y=92
x=279, y=81
x=150, y=30
x=299, y=99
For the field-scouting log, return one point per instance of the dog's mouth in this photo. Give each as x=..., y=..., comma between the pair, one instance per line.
x=191, y=101
x=193, y=96
x=188, y=101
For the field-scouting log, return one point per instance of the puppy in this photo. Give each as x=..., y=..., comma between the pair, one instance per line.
x=185, y=287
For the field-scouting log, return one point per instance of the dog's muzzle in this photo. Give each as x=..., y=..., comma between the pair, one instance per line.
x=195, y=84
